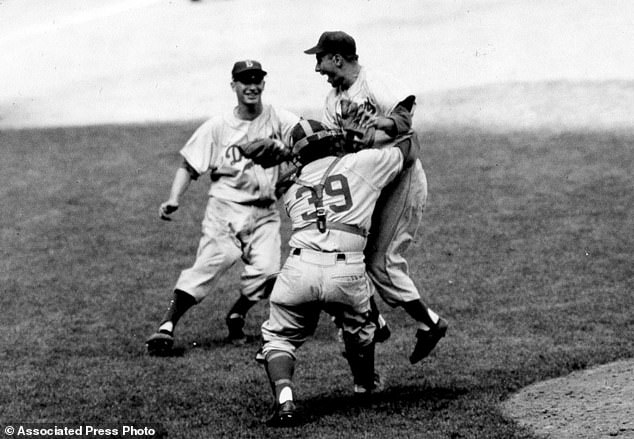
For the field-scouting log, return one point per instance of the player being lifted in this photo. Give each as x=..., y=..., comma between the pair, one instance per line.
x=241, y=219
x=330, y=205
x=373, y=112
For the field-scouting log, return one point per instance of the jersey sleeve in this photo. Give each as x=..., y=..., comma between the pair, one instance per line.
x=401, y=115
x=379, y=166
x=329, y=115
x=199, y=151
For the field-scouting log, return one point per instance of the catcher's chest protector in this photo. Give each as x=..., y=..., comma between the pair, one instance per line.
x=318, y=192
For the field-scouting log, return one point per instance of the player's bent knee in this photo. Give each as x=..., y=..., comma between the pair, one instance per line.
x=272, y=355
x=278, y=347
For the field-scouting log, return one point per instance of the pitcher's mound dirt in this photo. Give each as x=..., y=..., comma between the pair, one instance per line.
x=591, y=404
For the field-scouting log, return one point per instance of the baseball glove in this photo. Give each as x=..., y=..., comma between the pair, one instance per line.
x=266, y=152
x=356, y=123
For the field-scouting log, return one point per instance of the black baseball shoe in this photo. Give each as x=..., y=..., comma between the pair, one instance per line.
x=236, y=336
x=284, y=415
x=160, y=343
x=361, y=392
x=427, y=340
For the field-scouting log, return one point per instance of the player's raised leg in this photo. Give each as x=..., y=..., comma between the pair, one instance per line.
x=395, y=221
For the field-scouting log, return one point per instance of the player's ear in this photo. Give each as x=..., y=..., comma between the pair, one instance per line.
x=337, y=59
x=233, y=85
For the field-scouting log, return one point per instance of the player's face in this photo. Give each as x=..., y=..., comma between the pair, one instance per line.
x=327, y=66
x=248, y=90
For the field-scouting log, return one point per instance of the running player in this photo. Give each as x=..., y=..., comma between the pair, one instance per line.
x=241, y=219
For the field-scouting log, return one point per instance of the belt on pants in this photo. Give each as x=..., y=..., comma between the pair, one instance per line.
x=327, y=258
x=338, y=256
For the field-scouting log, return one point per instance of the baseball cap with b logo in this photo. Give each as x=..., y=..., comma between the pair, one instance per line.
x=247, y=69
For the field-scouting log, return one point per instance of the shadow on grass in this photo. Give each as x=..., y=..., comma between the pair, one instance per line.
x=389, y=401
x=210, y=344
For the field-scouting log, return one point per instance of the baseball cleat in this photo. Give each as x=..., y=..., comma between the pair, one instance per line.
x=235, y=326
x=284, y=415
x=160, y=343
x=427, y=340
x=377, y=386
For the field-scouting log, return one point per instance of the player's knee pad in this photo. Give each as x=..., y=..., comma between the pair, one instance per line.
x=361, y=362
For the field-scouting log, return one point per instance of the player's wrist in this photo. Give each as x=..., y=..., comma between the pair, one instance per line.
x=384, y=124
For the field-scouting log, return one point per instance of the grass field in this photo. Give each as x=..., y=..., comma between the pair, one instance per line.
x=526, y=247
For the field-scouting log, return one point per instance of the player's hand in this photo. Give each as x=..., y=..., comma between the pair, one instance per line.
x=166, y=209
x=358, y=126
x=382, y=123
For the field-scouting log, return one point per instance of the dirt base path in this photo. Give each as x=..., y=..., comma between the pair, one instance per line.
x=591, y=404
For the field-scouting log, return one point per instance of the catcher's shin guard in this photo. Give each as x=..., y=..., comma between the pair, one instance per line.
x=280, y=367
x=361, y=361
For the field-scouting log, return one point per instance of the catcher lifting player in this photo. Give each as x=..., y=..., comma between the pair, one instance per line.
x=370, y=114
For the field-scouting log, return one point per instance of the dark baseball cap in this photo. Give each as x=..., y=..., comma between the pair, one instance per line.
x=247, y=69
x=334, y=42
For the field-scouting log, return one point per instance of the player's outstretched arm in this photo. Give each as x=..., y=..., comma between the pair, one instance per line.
x=181, y=182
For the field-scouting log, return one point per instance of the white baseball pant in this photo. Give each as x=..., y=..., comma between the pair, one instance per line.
x=395, y=221
x=233, y=231
x=309, y=283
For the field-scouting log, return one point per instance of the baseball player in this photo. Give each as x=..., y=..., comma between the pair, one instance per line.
x=330, y=205
x=372, y=112
x=241, y=220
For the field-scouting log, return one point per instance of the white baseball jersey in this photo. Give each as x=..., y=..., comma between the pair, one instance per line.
x=214, y=147
x=375, y=95
x=351, y=190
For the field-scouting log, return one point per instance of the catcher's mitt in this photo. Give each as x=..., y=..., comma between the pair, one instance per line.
x=266, y=152
x=357, y=125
